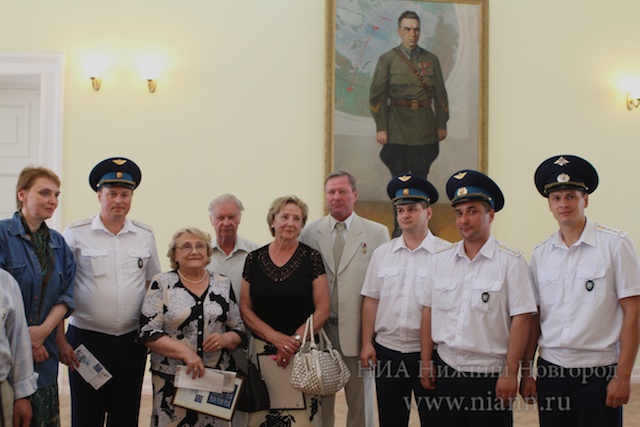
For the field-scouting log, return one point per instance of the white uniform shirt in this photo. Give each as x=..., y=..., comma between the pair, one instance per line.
x=472, y=302
x=581, y=328
x=393, y=274
x=111, y=274
x=16, y=358
x=231, y=265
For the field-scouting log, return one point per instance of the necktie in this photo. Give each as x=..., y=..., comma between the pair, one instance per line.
x=338, y=244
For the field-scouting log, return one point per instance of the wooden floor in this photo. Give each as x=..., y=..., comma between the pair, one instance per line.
x=527, y=415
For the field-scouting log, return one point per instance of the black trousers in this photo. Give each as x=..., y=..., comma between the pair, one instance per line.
x=416, y=159
x=465, y=399
x=119, y=399
x=397, y=376
x=575, y=397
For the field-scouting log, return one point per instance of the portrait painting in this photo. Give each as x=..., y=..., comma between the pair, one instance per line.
x=364, y=37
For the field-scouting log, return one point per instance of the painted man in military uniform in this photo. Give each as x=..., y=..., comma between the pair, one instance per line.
x=409, y=103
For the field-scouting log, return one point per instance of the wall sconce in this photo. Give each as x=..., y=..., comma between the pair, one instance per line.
x=151, y=84
x=96, y=82
x=633, y=101
x=94, y=66
x=150, y=67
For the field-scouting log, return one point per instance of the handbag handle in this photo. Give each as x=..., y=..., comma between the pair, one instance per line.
x=308, y=327
x=324, y=339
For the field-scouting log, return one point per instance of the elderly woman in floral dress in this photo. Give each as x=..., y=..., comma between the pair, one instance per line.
x=190, y=318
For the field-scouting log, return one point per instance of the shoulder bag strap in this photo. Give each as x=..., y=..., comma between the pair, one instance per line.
x=413, y=70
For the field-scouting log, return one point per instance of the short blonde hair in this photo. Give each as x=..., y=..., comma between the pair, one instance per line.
x=278, y=204
x=195, y=232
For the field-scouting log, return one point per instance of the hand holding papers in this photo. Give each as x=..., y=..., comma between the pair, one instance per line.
x=90, y=368
x=216, y=393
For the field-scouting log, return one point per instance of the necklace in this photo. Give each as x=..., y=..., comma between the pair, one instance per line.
x=191, y=281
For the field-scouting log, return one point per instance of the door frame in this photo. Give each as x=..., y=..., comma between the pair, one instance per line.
x=49, y=69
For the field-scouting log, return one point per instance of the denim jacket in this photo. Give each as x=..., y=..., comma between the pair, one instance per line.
x=18, y=257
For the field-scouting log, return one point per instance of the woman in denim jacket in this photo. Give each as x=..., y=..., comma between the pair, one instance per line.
x=44, y=267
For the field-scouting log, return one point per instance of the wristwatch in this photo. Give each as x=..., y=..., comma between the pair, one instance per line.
x=297, y=337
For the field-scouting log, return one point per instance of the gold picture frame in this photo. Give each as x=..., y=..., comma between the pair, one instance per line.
x=358, y=32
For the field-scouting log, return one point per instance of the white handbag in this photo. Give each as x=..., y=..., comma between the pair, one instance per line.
x=318, y=372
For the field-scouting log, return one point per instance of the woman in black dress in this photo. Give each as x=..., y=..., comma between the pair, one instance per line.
x=283, y=283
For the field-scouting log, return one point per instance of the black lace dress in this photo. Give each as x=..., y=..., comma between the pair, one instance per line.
x=283, y=298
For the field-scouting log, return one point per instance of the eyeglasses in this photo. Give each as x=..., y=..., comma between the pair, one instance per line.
x=199, y=247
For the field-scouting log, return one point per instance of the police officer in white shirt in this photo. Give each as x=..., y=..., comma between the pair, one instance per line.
x=390, y=311
x=587, y=283
x=116, y=259
x=477, y=308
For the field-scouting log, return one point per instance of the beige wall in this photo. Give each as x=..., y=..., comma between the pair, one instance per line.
x=239, y=107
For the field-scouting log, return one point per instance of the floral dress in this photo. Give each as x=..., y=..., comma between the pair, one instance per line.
x=170, y=309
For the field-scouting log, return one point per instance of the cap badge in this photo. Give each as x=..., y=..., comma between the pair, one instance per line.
x=563, y=177
x=404, y=178
x=561, y=161
x=460, y=175
x=405, y=192
x=119, y=175
x=462, y=191
x=119, y=162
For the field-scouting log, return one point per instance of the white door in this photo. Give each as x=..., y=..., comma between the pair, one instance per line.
x=19, y=140
x=30, y=121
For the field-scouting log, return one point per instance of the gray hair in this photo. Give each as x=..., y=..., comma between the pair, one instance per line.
x=353, y=183
x=226, y=198
x=195, y=232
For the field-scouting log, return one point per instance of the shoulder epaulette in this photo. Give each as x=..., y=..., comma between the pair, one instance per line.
x=443, y=243
x=81, y=222
x=545, y=240
x=509, y=250
x=448, y=246
x=142, y=225
x=610, y=230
